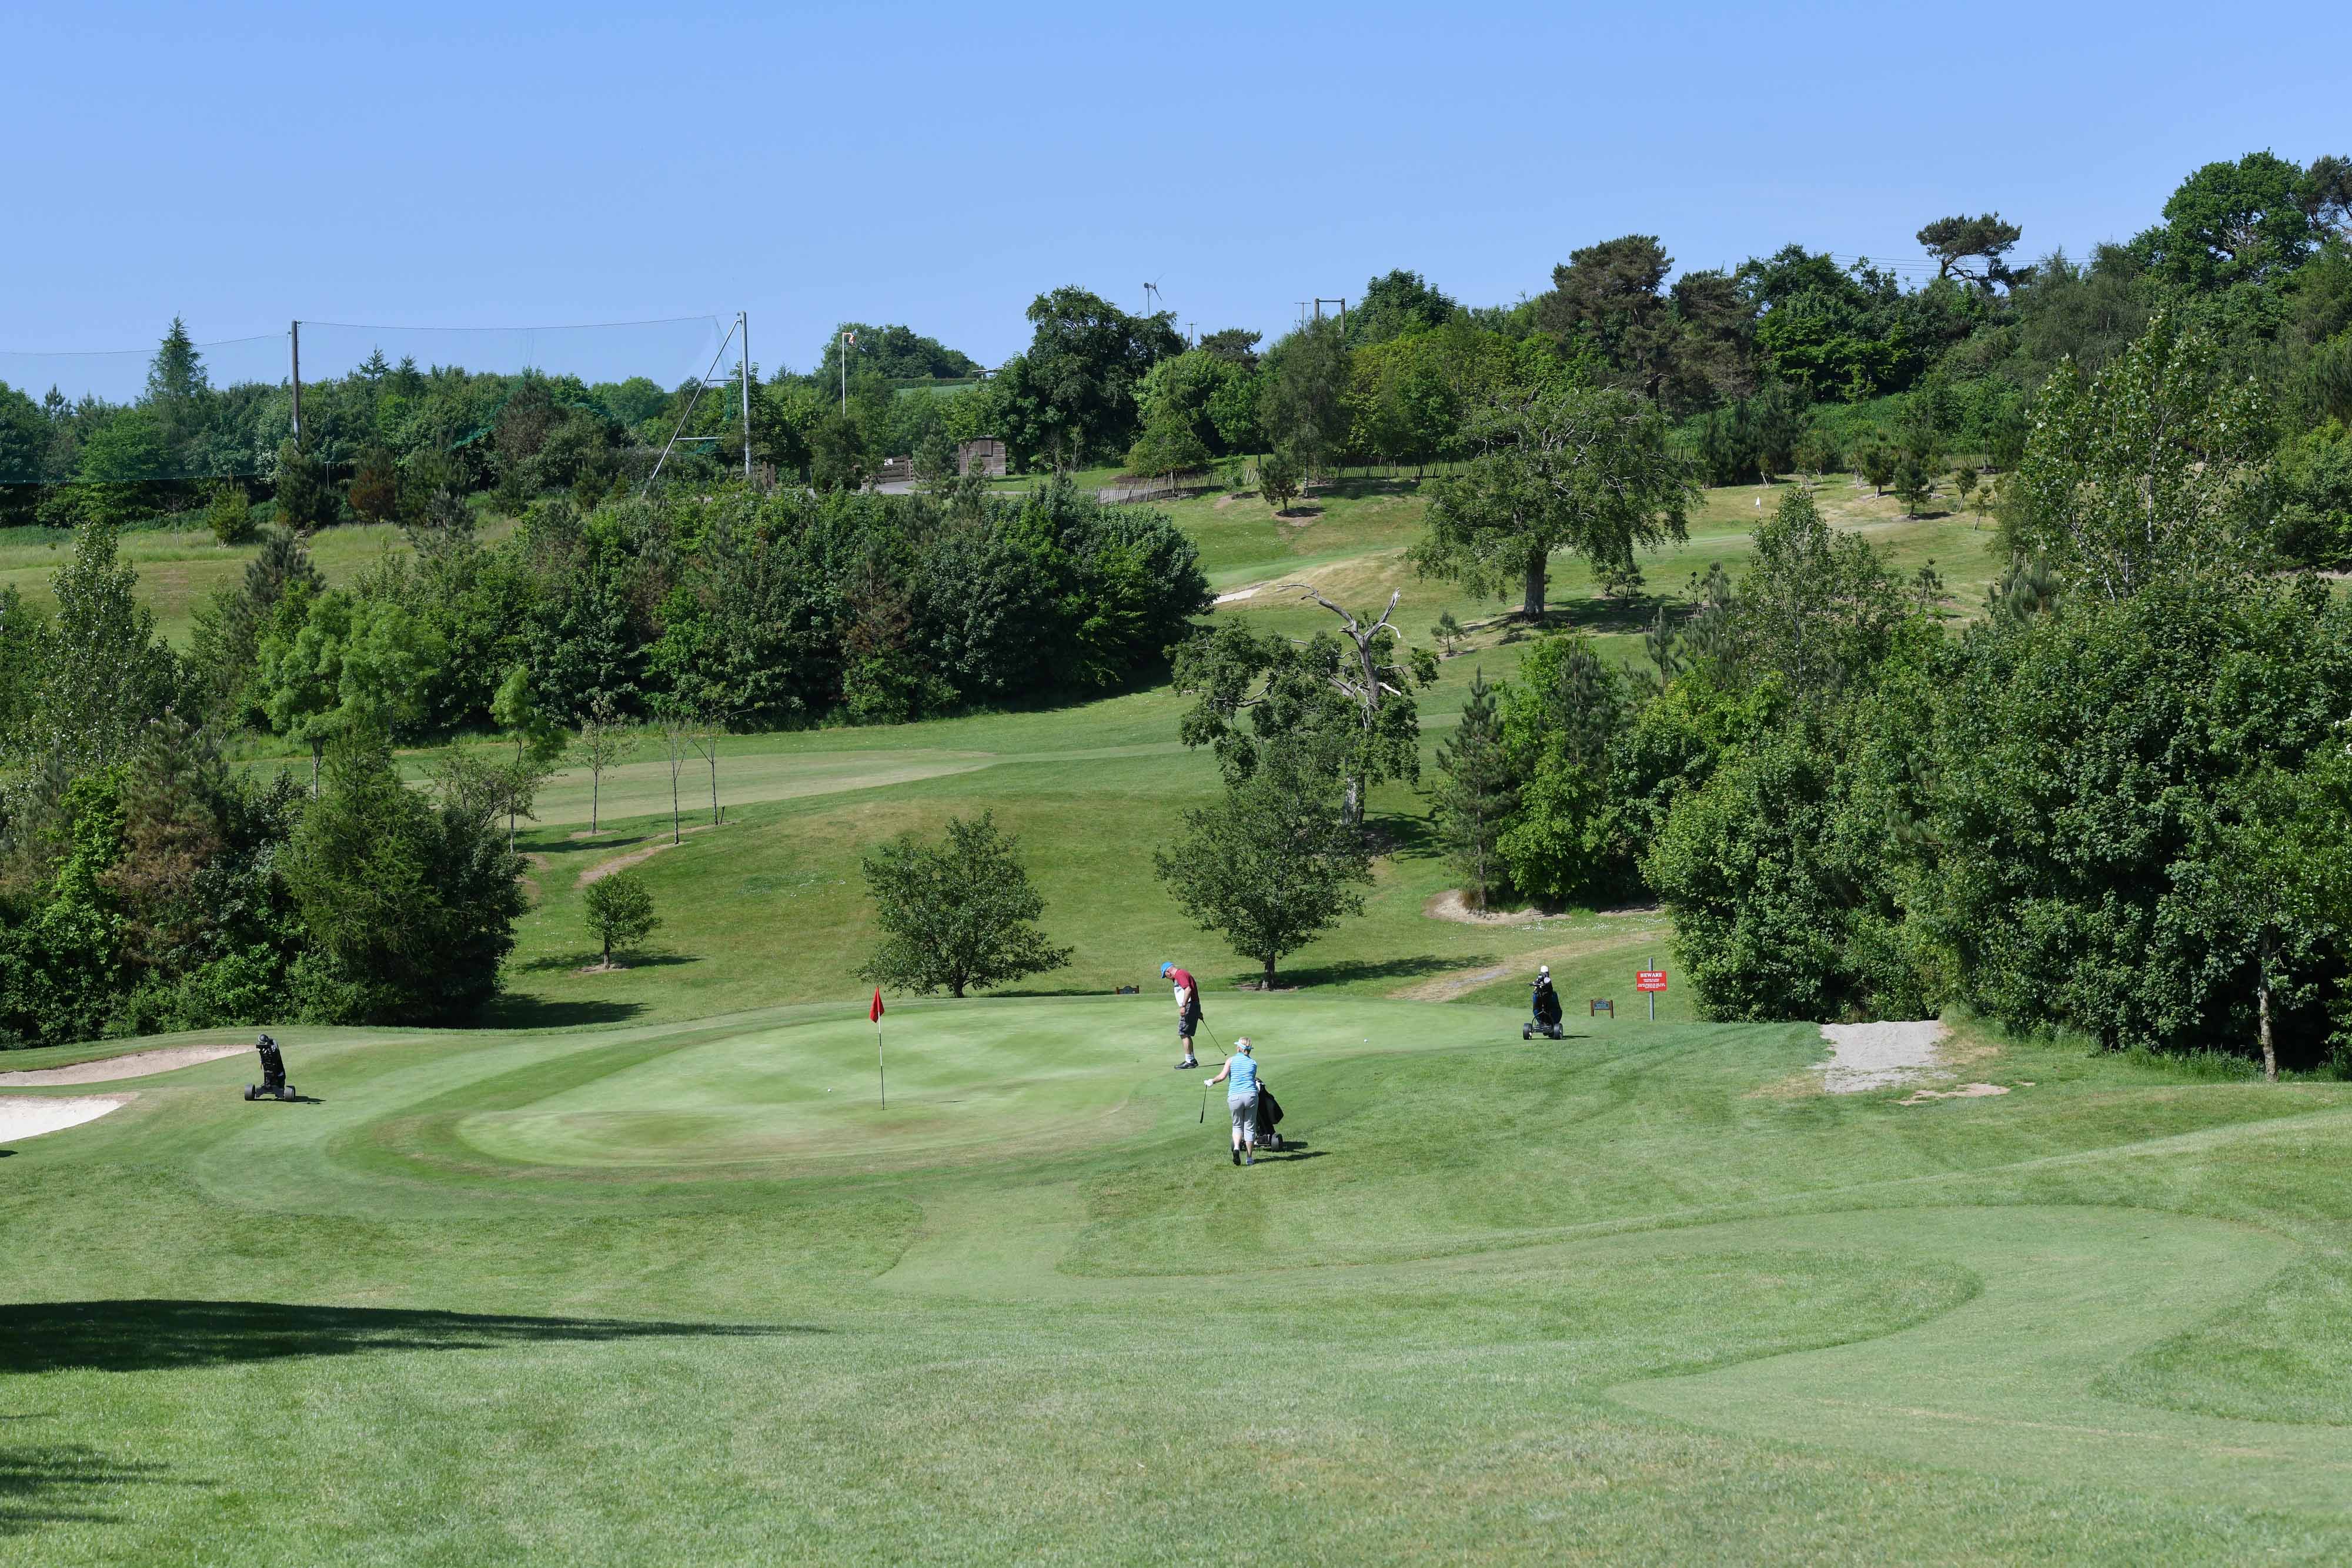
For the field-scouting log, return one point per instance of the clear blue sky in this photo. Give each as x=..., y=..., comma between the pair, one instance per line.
x=940, y=164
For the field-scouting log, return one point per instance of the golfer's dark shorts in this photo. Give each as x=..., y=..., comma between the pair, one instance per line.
x=1245, y=1115
x=1188, y=1025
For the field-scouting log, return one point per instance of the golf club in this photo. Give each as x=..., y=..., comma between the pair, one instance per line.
x=1204, y=1103
x=1222, y=1052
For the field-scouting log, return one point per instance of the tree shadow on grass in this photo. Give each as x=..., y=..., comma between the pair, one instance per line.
x=568, y=963
x=147, y=1335
x=513, y=1011
x=1347, y=971
x=65, y=1483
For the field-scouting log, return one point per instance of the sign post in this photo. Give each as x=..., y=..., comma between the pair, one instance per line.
x=1653, y=981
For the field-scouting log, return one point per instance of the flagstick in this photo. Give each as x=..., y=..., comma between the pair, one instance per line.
x=879, y=1077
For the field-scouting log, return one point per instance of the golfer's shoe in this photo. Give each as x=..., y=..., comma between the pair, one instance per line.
x=1237, y=1156
x=1250, y=1158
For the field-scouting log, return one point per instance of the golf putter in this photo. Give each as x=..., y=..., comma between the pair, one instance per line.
x=1204, y=1104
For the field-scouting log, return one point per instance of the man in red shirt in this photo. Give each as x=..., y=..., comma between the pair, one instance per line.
x=1188, y=1010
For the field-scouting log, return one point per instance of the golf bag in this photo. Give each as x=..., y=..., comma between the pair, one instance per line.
x=1545, y=1006
x=273, y=1073
x=1269, y=1112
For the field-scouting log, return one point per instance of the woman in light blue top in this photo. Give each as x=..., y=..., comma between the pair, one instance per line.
x=1240, y=1099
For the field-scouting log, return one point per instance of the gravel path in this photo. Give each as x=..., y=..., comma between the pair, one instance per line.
x=107, y=1069
x=1877, y=1055
x=26, y=1116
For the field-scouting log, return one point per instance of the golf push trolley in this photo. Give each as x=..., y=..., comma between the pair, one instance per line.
x=273, y=1085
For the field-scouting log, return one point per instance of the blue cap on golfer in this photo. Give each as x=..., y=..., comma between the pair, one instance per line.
x=1166, y=969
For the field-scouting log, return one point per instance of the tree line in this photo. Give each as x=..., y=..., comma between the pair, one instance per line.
x=147, y=884
x=1792, y=362
x=2117, y=801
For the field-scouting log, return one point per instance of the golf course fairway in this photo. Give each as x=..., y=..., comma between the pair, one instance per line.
x=694, y=1293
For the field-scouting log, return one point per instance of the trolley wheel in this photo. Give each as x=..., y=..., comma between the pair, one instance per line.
x=249, y=1091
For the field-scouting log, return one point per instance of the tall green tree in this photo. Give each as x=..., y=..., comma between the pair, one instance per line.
x=103, y=673
x=306, y=501
x=1476, y=792
x=957, y=915
x=1586, y=470
x=619, y=912
x=2233, y=221
x=1353, y=688
x=1274, y=864
x=411, y=900
x=1986, y=240
x=1303, y=408
x=2148, y=469
x=1559, y=726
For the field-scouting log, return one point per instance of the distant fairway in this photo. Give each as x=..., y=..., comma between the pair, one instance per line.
x=685, y=1292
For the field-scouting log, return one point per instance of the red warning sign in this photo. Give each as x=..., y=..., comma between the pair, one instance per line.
x=1649, y=980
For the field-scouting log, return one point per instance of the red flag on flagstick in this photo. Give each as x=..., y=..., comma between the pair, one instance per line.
x=874, y=1016
x=874, y=1013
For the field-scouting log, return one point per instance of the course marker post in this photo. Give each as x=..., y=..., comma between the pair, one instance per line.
x=881, y=1079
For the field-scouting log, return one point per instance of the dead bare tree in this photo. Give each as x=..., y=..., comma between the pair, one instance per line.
x=1376, y=683
x=704, y=738
x=676, y=723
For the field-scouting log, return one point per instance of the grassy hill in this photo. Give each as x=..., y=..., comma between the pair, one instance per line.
x=686, y=1292
x=769, y=909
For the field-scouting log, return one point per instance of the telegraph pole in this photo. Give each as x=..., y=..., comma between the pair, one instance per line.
x=298, y=384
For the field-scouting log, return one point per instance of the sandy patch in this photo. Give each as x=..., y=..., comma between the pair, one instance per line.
x=604, y=869
x=1449, y=905
x=1238, y=595
x=1865, y=1055
x=107, y=1069
x=25, y=1116
x=1446, y=987
x=1965, y=1091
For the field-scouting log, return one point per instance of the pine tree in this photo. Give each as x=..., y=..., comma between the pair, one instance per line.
x=104, y=673
x=282, y=565
x=176, y=373
x=1477, y=792
x=305, y=501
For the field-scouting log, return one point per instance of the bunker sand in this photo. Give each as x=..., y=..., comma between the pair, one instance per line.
x=25, y=1116
x=135, y=1064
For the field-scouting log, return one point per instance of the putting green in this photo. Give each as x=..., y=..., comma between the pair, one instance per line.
x=1631, y=1296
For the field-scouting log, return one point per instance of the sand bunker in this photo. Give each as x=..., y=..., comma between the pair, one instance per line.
x=1865, y=1055
x=24, y=1116
x=107, y=1069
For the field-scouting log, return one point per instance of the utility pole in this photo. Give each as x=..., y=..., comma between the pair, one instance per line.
x=297, y=384
x=743, y=328
x=847, y=338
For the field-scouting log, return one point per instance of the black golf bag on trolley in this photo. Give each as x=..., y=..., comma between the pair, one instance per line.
x=273, y=1085
x=1545, y=1008
x=1269, y=1112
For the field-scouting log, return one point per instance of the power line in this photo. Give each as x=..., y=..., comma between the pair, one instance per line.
x=563, y=327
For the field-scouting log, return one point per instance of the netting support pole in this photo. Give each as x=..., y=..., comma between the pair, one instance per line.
x=701, y=383
x=743, y=332
x=297, y=339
